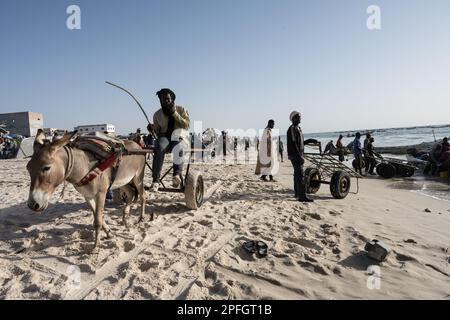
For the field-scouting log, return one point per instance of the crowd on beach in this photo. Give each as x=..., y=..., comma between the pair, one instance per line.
x=438, y=160
x=9, y=146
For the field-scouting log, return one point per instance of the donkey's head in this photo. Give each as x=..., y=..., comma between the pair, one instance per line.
x=47, y=169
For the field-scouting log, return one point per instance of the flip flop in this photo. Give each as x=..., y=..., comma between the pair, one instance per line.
x=249, y=246
x=261, y=249
x=258, y=247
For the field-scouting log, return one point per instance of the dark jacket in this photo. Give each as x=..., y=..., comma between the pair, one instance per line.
x=295, y=142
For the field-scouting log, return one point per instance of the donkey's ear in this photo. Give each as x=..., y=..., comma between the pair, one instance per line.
x=39, y=139
x=57, y=144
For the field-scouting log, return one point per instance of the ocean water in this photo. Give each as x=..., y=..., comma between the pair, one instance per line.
x=389, y=137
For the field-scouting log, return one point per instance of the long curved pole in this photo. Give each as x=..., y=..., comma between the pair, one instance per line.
x=140, y=106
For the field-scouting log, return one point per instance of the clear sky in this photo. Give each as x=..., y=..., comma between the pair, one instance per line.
x=233, y=64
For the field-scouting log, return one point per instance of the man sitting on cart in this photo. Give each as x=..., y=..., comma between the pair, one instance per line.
x=170, y=125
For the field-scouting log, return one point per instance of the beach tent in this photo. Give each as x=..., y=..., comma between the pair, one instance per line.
x=25, y=148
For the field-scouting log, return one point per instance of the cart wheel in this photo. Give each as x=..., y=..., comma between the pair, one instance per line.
x=377, y=169
x=407, y=172
x=340, y=184
x=312, y=180
x=363, y=163
x=386, y=170
x=193, y=190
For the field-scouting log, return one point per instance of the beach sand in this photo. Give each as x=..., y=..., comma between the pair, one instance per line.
x=316, y=251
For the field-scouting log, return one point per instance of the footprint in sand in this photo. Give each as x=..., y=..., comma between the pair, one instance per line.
x=314, y=216
x=147, y=265
x=404, y=258
x=316, y=268
x=128, y=246
x=334, y=213
x=305, y=243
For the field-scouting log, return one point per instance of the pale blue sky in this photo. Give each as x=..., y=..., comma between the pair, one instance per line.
x=233, y=64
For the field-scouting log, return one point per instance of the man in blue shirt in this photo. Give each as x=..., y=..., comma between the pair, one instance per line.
x=357, y=152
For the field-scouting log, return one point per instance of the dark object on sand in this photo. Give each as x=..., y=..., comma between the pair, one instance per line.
x=258, y=247
x=385, y=170
x=390, y=167
x=377, y=250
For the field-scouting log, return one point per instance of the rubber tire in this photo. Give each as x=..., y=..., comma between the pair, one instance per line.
x=377, y=169
x=311, y=173
x=194, y=190
x=386, y=170
x=340, y=184
x=407, y=172
x=363, y=164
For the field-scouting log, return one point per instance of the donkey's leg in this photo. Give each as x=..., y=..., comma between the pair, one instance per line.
x=98, y=216
x=139, y=183
x=92, y=205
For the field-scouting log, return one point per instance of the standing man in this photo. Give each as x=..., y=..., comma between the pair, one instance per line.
x=357, y=152
x=296, y=149
x=267, y=164
x=224, y=145
x=365, y=152
x=170, y=124
x=340, y=148
x=370, y=156
x=280, y=148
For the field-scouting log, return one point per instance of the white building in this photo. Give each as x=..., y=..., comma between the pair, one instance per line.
x=85, y=129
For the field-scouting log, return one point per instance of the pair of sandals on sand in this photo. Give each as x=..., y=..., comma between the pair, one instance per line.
x=258, y=247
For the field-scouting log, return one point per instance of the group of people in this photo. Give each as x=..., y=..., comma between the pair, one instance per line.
x=8, y=147
x=439, y=158
x=364, y=154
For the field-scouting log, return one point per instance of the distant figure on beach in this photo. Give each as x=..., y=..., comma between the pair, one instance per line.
x=357, y=152
x=340, y=148
x=444, y=159
x=329, y=148
x=280, y=148
x=370, y=156
x=267, y=165
x=445, y=145
x=295, y=150
x=224, y=143
x=367, y=157
x=138, y=138
x=247, y=144
x=169, y=124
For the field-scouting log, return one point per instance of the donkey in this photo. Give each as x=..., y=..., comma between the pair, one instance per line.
x=53, y=163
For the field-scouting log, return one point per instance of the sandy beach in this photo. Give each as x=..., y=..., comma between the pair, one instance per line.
x=316, y=251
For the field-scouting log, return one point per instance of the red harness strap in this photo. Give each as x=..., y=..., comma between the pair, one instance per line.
x=94, y=173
